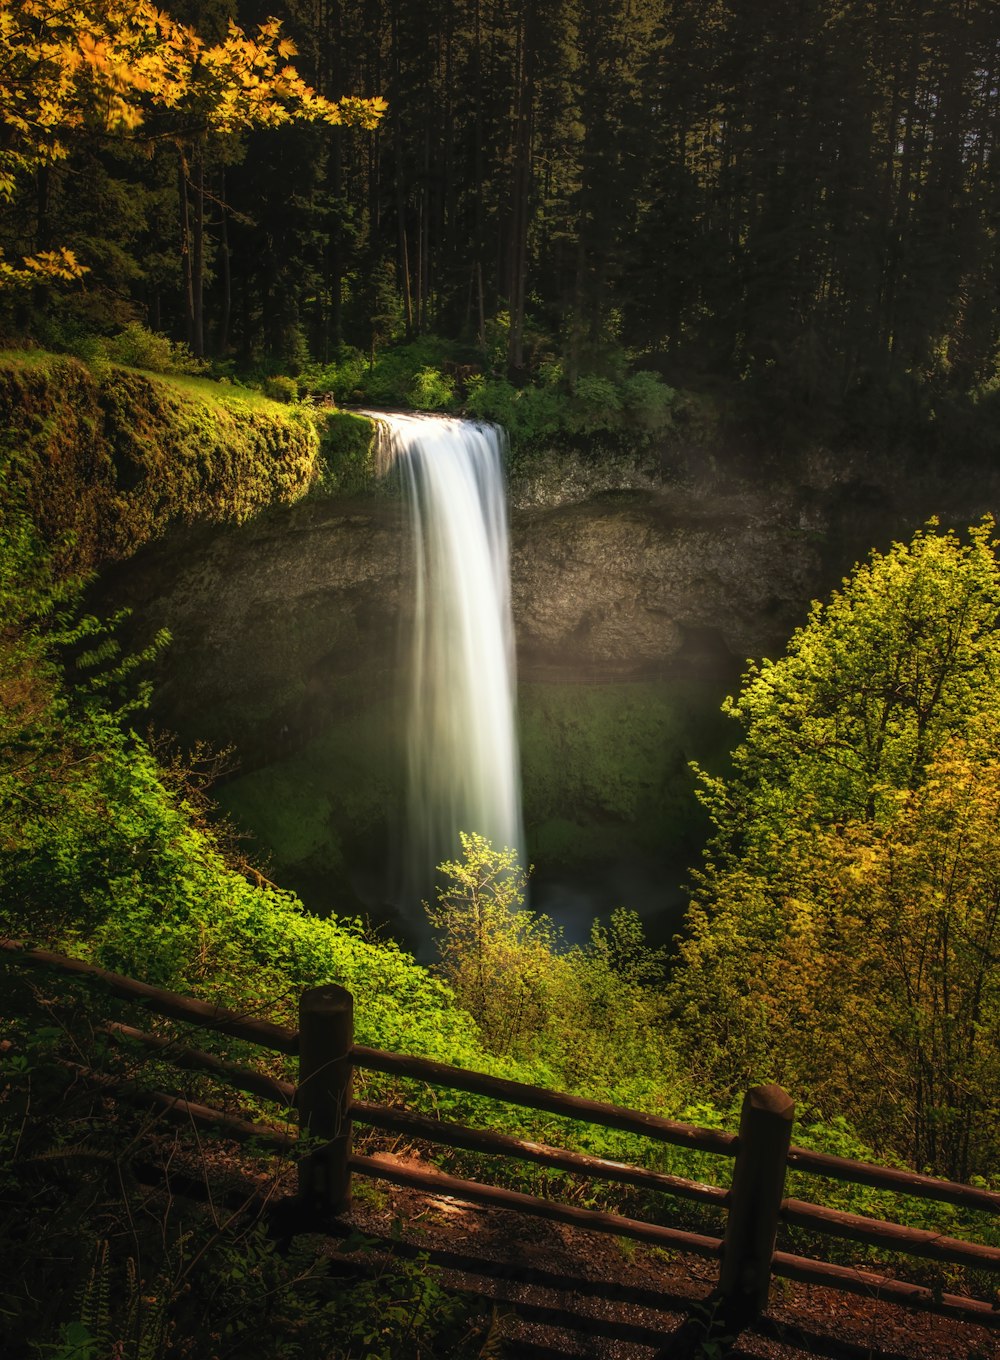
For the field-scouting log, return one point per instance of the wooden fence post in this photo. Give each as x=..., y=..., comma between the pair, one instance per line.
x=755, y=1201
x=323, y=1097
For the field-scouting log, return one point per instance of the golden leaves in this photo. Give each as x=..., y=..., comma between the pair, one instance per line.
x=48, y=265
x=108, y=63
x=67, y=65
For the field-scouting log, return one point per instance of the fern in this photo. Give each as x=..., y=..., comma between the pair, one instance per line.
x=95, y=1305
x=493, y=1347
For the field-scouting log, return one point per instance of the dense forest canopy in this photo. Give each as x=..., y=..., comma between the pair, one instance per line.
x=801, y=198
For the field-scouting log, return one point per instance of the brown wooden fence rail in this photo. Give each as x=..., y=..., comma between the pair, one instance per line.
x=755, y=1204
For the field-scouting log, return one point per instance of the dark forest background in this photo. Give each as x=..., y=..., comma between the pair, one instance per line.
x=799, y=198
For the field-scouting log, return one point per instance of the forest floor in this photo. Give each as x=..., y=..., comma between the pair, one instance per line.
x=568, y=1293
x=564, y=1294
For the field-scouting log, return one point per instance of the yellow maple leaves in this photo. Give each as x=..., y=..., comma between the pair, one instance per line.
x=107, y=63
x=104, y=65
x=51, y=265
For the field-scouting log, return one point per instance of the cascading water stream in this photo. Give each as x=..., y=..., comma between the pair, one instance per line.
x=463, y=770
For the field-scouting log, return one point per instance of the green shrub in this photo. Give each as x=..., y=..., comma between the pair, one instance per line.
x=431, y=390
x=548, y=412
x=528, y=414
x=138, y=347
x=408, y=375
x=599, y=397
x=592, y=1014
x=648, y=401
x=342, y=377
x=491, y=399
x=280, y=387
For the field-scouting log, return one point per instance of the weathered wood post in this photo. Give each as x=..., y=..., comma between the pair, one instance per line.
x=323, y=1097
x=755, y=1201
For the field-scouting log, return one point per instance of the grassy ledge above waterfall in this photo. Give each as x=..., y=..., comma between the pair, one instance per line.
x=104, y=459
x=108, y=455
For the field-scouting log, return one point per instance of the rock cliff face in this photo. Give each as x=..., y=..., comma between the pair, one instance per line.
x=636, y=585
x=645, y=581
x=263, y=615
x=634, y=608
x=623, y=587
x=638, y=581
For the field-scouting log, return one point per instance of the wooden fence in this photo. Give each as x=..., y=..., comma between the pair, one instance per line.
x=755, y=1204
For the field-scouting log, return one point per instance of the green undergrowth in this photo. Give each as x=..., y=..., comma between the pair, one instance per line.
x=548, y=408
x=104, y=860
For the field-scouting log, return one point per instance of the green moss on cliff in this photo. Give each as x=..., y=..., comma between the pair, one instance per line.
x=605, y=769
x=347, y=454
x=103, y=461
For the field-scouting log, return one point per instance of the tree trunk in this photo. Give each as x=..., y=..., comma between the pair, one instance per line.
x=198, y=257
x=182, y=192
x=225, y=264
x=517, y=290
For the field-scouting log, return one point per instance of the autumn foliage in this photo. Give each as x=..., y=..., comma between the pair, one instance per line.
x=101, y=68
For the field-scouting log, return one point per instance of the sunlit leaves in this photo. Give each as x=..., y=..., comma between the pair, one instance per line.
x=844, y=937
x=107, y=63
x=51, y=265
x=104, y=66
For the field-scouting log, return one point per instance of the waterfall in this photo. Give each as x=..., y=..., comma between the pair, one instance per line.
x=463, y=771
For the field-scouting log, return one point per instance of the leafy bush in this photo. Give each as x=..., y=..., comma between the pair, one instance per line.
x=342, y=378
x=600, y=398
x=408, y=375
x=431, y=390
x=492, y=399
x=137, y=347
x=550, y=412
x=844, y=934
x=281, y=387
x=648, y=401
x=393, y=377
x=593, y=1015
x=530, y=415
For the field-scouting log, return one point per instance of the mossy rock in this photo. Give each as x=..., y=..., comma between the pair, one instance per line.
x=105, y=460
x=346, y=454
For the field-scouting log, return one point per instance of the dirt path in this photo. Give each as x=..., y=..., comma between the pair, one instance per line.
x=567, y=1293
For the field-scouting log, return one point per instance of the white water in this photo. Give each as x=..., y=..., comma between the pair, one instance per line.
x=463, y=771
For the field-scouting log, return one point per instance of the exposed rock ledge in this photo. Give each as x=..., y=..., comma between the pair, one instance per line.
x=634, y=583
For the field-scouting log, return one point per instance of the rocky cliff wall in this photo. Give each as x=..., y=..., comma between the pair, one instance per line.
x=635, y=609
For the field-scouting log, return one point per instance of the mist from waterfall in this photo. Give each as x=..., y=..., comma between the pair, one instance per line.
x=463, y=769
